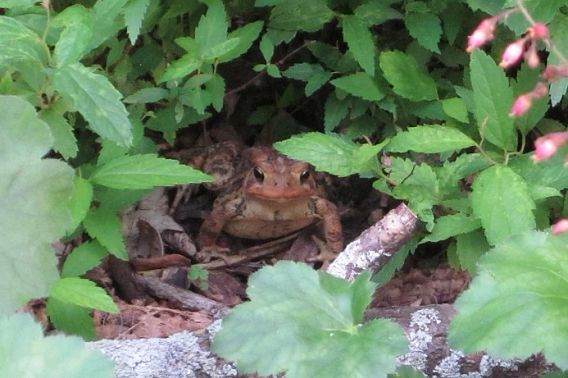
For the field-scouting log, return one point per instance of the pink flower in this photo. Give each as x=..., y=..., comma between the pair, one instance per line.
x=531, y=56
x=482, y=34
x=538, y=31
x=521, y=105
x=560, y=227
x=513, y=53
x=547, y=145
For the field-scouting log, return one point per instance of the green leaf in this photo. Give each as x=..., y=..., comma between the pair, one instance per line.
x=104, y=225
x=493, y=100
x=266, y=48
x=469, y=248
x=317, y=81
x=84, y=293
x=29, y=46
x=273, y=71
x=426, y=28
x=108, y=20
x=134, y=13
x=245, y=35
x=430, y=139
x=302, y=71
x=375, y=12
x=406, y=77
x=64, y=140
x=83, y=258
x=549, y=173
x=180, y=68
x=514, y=307
x=34, y=194
x=75, y=38
x=22, y=4
x=455, y=108
x=71, y=319
x=326, y=152
x=145, y=171
x=96, y=99
x=146, y=95
x=360, y=42
x=295, y=15
x=360, y=85
x=452, y=225
x=220, y=49
x=526, y=81
x=501, y=199
x=216, y=88
x=212, y=27
x=27, y=353
x=80, y=202
x=334, y=112
x=314, y=312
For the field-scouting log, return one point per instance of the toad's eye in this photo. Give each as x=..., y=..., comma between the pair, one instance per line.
x=258, y=174
x=304, y=176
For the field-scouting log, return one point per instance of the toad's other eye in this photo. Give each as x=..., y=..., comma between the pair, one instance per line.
x=304, y=176
x=258, y=174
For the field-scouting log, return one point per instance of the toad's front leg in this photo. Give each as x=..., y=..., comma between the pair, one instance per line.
x=332, y=228
x=212, y=226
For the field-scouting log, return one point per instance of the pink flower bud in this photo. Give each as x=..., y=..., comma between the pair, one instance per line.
x=560, y=227
x=513, y=53
x=531, y=56
x=547, y=145
x=521, y=105
x=538, y=31
x=539, y=91
x=482, y=34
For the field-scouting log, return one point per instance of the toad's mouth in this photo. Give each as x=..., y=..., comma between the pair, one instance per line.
x=280, y=195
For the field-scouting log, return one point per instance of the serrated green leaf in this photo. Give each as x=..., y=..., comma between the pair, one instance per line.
x=30, y=47
x=76, y=37
x=216, y=88
x=295, y=15
x=455, y=108
x=302, y=71
x=364, y=159
x=180, y=68
x=360, y=42
x=104, y=225
x=80, y=202
x=514, y=307
x=83, y=258
x=134, y=13
x=317, y=81
x=107, y=16
x=452, y=225
x=360, y=85
x=313, y=312
x=326, y=152
x=146, y=95
x=64, y=140
x=469, y=248
x=96, y=99
x=82, y=292
x=220, y=49
x=425, y=28
x=430, y=139
x=406, y=77
x=493, y=99
x=19, y=331
x=246, y=35
x=453, y=172
x=526, y=81
x=212, y=27
x=501, y=199
x=34, y=194
x=144, y=172
x=71, y=319
x=375, y=12
x=549, y=173
x=334, y=112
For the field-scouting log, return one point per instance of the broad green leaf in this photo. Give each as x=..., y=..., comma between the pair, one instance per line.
x=220, y=49
x=493, y=99
x=334, y=112
x=25, y=352
x=134, y=13
x=82, y=292
x=526, y=81
x=302, y=71
x=64, y=140
x=426, y=28
x=430, y=139
x=558, y=29
x=452, y=172
x=515, y=306
x=273, y=71
x=417, y=183
x=96, y=99
x=364, y=159
x=146, y=95
x=455, y=108
x=76, y=36
x=245, y=35
x=295, y=15
x=80, y=202
x=469, y=248
x=406, y=77
x=501, y=199
x=108, y=20
x=326, y=152
x=266, y=48
x=22, y=4
x=360, y=85
x=145, y=171
x=180, y=68
x=104, y=225
x=317, y=81
x=83, y=258
x=452, y=225
x=216, y=88
x=34, y=194
x=314, y=312
x=360, y=42
x=71, y=319
x=375, y=12
x=29, y=46
x=212, y=27
x=550, y=173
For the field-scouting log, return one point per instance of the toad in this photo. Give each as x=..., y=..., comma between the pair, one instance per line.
x=269, y=196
